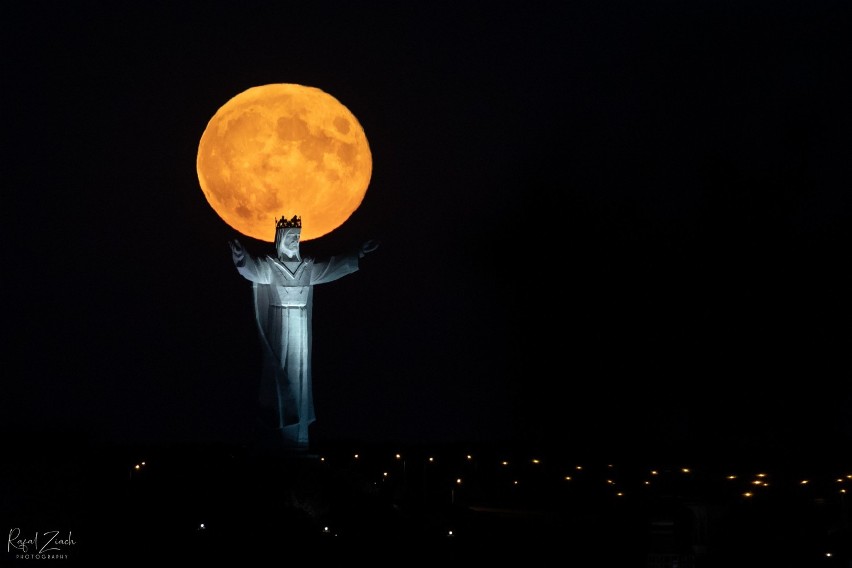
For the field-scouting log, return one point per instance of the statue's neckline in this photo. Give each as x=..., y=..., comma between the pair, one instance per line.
x=287, y=262
x=291, y=266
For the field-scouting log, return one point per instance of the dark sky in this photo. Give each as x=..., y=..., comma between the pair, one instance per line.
x=604, y=224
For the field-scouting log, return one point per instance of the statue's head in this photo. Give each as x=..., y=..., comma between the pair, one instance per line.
x=287, y=235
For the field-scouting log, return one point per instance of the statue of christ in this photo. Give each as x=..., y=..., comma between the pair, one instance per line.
x=283, y=293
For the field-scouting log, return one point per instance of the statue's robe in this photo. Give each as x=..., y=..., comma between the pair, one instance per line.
x=283, y=297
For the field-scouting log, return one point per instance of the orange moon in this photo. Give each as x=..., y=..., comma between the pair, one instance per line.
x=281, y=150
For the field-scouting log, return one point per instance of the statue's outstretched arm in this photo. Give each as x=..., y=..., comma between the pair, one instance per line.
x=337, y=266
x=248, y=266
x=238, y=252
x=367, y=247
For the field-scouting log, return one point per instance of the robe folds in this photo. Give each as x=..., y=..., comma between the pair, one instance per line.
x=283, y=299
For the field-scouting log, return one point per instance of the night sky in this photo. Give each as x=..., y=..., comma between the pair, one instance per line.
x=614, y=224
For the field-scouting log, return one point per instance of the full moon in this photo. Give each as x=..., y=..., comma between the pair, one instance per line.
x=282, y=150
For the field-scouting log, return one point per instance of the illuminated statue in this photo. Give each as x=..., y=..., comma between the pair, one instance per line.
x=283, y=294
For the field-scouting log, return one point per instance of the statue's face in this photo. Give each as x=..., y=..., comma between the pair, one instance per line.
x=287, y=243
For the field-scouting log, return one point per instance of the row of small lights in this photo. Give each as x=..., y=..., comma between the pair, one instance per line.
x=759, y=481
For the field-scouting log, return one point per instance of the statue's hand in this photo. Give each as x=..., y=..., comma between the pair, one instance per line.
x=368, y=246
x=238, y=253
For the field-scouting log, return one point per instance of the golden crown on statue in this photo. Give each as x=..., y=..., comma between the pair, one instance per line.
x=284, y=223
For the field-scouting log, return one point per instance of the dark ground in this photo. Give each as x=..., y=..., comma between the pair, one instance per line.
x=261, y=507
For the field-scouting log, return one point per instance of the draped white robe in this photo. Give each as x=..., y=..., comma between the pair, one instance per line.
x=283, y=297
